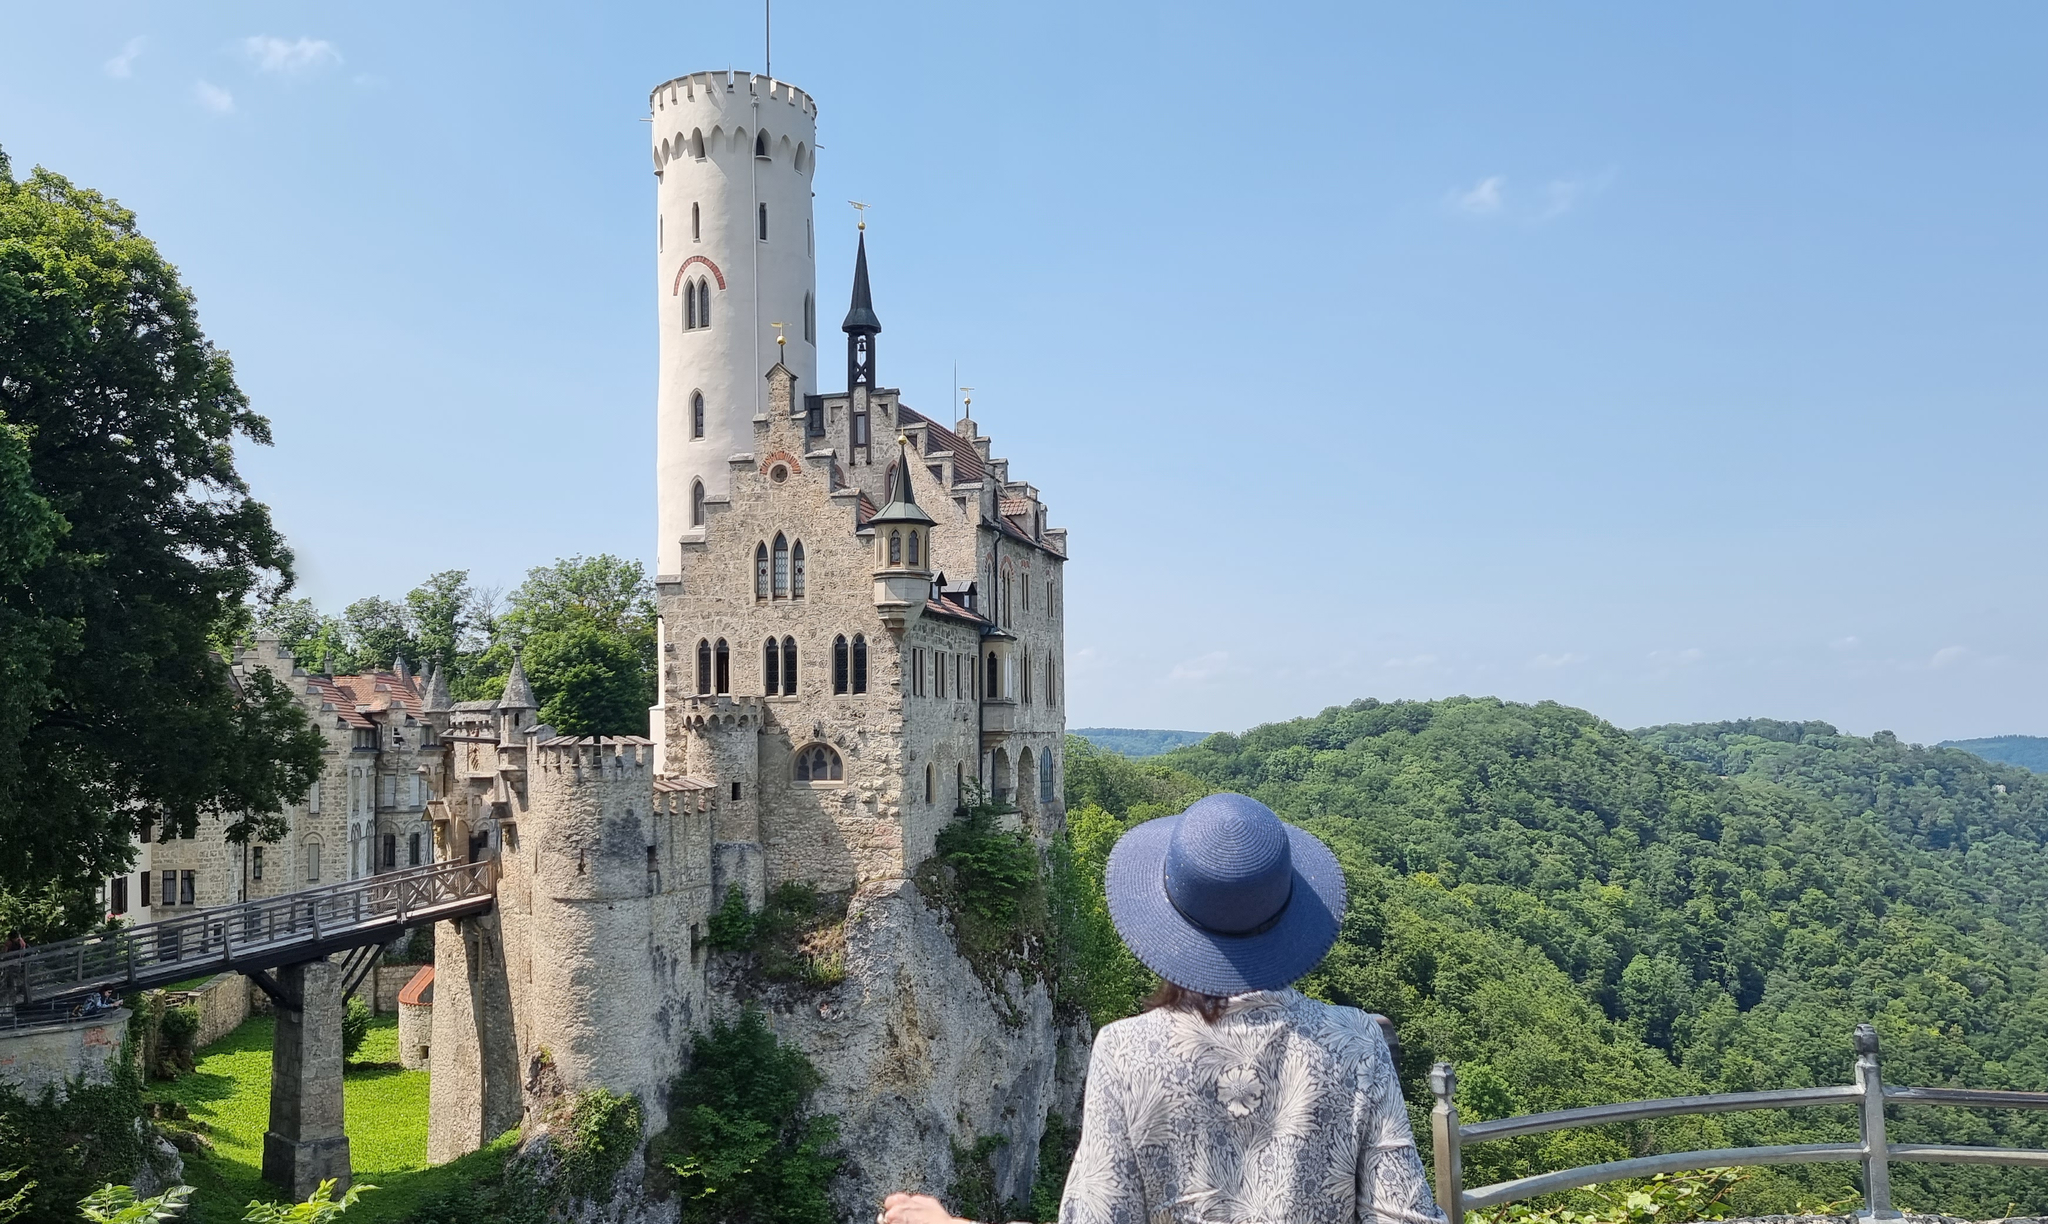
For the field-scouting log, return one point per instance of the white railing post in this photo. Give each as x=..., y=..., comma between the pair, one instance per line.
x=1877, y=1173
x=1447, y=1145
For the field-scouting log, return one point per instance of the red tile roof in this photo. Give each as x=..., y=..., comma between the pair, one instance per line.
x=378, y=690
x=967, y=465
x=417, y=988
x=944, y=606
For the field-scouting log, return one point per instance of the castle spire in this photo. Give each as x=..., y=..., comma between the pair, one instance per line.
x=518, y=693
x=436, y=695
x=902, y=507
x=862, y=325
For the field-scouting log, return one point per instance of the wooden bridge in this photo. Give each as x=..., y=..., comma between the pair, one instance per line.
x=253, y=937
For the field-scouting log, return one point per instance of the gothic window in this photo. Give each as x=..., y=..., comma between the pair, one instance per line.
x=696, y=503
x=860, y=664
x=760, y=571
x=697, y=143
x=703, y=667
x=722, y=666
x=819, y=763
x=1025, y=593
x=1045, y=778
x=689, y=305
x=696, y=414
x=781, y=567
x=839, y=664
x=255, y=862
x=895, y=548
x=704, y=302
x=993, y=688
x=763, y=214
x=789, y=667
x=810, y=318
x=413, y=850
x=771, y=668
x=796, y=570
x=312, y=862
x=390, y=851
x=913, y=550
x=696, y=224
x=760, y=144
x=938, y=674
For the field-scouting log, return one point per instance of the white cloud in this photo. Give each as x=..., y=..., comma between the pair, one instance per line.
x=1484, y=199
x=273, y=54
x=214, y=98
x=1947, y=655
x=123, y=64
x=1557, y=660
x=1201, y=667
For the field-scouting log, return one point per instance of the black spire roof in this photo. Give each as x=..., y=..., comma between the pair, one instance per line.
x=860, y=317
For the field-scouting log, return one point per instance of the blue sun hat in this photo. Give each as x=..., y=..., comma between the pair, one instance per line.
x=1225, y=898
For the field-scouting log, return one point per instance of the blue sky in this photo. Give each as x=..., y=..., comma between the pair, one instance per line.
x=1679, y=362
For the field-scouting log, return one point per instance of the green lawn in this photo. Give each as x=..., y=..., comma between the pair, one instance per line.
x=386, y=1116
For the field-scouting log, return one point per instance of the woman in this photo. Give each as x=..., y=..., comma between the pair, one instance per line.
x=1234, y=1099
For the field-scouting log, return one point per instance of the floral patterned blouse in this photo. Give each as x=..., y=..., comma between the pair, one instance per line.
x=1284, y=1111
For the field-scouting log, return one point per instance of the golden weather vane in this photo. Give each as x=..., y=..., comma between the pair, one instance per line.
x=780, y=339
x=863, y=212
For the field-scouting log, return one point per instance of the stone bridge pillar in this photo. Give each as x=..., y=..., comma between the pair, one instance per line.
x=305, y=1144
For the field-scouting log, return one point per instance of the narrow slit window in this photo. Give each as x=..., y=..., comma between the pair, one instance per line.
x=696, y=414
x=704, y=303
x=696, y=503
x=771, y=667
x=781, y=567
x=860, y=664
x=690, y=306
x=789, y=667
x=839, y=664
x=696, y=224
x=703, y=668
x=763, y=214
x=913, y=550
x=722, y=665
x=796, y=570
x=760, y=571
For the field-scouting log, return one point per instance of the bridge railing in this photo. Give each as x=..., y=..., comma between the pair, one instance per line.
x=1873, y=1151
x=253, y=932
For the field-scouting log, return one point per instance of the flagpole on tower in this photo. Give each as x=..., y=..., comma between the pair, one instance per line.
x=768, y=39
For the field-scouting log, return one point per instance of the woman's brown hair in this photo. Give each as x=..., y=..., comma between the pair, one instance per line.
x=1209, y=1007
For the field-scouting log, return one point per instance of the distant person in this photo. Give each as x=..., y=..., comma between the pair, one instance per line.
x=15, y=943
x=1233, y=1098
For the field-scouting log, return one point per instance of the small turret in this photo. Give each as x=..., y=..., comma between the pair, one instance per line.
x=399, y=669
x=516, y=706
x=903, y=547
x=862, y=325
x=435, y=696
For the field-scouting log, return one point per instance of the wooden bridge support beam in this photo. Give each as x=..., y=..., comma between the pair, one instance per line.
x=306, y=1144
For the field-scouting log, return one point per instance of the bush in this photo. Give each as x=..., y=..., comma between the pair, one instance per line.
x=741, y=1141
x=66, y=1148
x=732, y=926
x=355, y=1025
x=996, y=868
x=176, y=1032
x=799, y=936
x=603, y=1128
x=1668, y=1198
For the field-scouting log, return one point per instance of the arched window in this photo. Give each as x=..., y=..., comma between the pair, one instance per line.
x=913, y=550
x=704, y=302
x=1050, y=699
x=1045, y=778
x=810, y=319
x=696, y=414
x=796, y=570
x=696, y=224
x=839, y=664
x=697, y=143
x=721, y=656
x=781, y=566
x=819, y=763
x=760, y=144
x=771, y=668
x=789, y=667
x=689, y=305
x=703, y=667
x=992, y=685
x=764, y=222
x=1003, y=593
x=760, y=571
x=895, y=548
x=696, y=503
x=927, y=784
x=860, y=664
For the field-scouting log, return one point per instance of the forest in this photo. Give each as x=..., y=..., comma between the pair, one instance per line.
x=1575, y=914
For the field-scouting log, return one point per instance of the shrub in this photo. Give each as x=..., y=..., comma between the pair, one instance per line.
x=1668, y=1198
x=118, y=1205
x=741, y=1141
x=176, y=1032
x=732, y=927
x=320, y=1207
x=603, y=1128
x=355, y=1025
x=67, y=1147
x=996, y=868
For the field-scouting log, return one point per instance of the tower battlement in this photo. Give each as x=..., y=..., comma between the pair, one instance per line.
x=593, y=758
x=724, y=87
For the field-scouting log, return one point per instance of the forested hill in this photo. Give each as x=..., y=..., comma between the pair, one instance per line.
x=2026, y=751
x=1576, y=915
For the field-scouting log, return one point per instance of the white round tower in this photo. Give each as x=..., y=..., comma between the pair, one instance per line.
x=736, y=254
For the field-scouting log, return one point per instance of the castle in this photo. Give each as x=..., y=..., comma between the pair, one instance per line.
x=861, y=631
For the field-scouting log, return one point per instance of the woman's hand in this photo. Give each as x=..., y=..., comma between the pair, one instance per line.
x=915, y=1209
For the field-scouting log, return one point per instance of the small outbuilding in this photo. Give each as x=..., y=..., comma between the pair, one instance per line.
x=416, y=1019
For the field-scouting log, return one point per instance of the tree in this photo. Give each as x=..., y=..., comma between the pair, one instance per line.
x=132, y=541
x=588, y=682
x=588, y=626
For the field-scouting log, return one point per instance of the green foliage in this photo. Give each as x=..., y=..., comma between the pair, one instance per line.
x=973, y=1194
x=1125, y=741
x=741, y=1141
x=16, y=1203
x=129, y=541
x=168, y=1035
x=320, y=1207
x=1056, y=1146
x=601, y=1134
x=65, y=1148
x=1668, y=1198
x=1097, y=974
x=798, y=937
x=1573, y=916
x=2029, y=752
x=355, y=1025
x=732, y=923
x=118, y=1205
x=995, y=868
x=595, y=682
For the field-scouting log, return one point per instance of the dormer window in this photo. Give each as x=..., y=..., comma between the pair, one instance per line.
x=366, y=737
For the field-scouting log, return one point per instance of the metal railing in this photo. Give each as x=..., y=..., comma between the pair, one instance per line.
x=1873, y=1151
x=253, y=935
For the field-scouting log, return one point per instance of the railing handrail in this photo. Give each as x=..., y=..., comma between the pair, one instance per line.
x=244, y=932
x=1869, y=1093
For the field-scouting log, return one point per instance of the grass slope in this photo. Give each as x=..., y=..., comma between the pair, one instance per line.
x=1132, y=742
x=385, y=1112
x=2029, y=752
